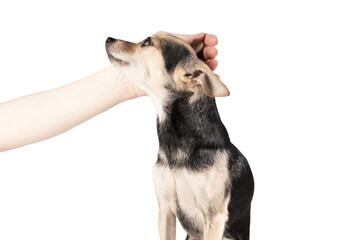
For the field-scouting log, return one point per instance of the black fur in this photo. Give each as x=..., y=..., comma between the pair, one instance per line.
x=197, y=129
x=173, y=54
x=242, y=189
x=194, y=128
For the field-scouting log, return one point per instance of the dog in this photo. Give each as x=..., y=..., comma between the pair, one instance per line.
x=200, y=177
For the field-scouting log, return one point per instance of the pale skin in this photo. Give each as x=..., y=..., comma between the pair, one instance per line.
x=43, y=115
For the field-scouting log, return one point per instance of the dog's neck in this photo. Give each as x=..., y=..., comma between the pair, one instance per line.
x=190, y=130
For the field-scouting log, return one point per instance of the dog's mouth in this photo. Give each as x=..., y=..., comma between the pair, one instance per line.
x=113, y=50
x=116, y=59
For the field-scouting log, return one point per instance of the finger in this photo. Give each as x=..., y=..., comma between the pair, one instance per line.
x=210, y=53
x=190, y=38
x=210, y=40
x=213, y=63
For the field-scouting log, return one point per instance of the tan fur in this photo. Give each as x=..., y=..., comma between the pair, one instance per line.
x=190, y=189
x=197, y=45
x=209, y=82
x=217, y=227
x=146, y=68
x=167, y=224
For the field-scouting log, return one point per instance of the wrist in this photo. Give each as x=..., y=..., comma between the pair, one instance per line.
x=120, y=88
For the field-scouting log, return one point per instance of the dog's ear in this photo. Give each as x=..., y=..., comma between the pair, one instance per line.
x=198, y=47
x=199, y=74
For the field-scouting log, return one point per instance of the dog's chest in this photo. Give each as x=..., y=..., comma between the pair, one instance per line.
x=193, y=196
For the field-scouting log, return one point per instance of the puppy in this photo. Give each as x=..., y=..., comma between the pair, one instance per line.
x=200, y=177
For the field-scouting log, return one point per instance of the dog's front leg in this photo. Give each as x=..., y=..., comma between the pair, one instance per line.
x=167, y=224
x=216, y=230
x=217, y=227
x=165, y=193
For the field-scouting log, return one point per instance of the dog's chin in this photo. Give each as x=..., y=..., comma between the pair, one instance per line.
x=117, y=61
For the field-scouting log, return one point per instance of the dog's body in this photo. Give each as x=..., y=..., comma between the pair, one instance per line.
x=199, y=177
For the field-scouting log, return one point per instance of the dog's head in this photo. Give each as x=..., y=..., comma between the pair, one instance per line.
x=164, y=64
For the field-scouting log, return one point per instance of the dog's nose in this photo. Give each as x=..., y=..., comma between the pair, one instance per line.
x=110, y=39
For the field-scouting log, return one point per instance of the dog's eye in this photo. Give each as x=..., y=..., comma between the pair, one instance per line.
x=147, y=42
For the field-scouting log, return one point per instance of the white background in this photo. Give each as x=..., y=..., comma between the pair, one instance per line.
x=293, y=69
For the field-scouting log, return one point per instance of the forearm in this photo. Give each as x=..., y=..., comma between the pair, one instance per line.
x=46, y=114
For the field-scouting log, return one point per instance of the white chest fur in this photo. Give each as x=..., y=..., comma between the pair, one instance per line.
x=197, y=196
